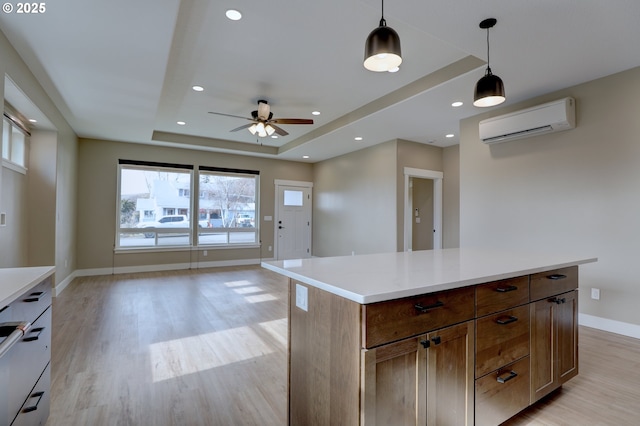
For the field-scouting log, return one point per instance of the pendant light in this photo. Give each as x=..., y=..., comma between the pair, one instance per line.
x=382, y=49
x=489, y=89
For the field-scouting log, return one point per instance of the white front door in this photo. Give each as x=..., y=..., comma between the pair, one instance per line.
x=293, y=222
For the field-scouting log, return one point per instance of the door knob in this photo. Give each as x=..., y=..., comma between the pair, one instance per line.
x=280, y=227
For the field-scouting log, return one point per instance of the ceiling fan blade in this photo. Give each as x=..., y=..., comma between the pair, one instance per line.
x=263, y=110
x=292, y=121
x=230, y=115
x=246, y=126
x=279, y=130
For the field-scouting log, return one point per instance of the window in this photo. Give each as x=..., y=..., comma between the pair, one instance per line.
x=150, y=194
x=227, y=203
x=14, y=144
x=156, y=206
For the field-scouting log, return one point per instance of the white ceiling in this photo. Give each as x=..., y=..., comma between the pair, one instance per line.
x=123, y=70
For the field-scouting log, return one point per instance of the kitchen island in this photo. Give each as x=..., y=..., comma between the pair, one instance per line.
x=455, y=336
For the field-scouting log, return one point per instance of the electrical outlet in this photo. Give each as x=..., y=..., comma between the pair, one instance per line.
x=595, y=293
x=270, y=248
x=204, y=253
x=302, y=297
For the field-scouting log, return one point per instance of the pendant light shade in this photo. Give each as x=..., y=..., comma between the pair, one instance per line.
x=490, y=88
x=382, y=50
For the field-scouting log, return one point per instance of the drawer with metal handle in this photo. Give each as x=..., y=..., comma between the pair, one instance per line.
x=502, y=393
x=547, y=284
x=501, y=339
x=33, y=351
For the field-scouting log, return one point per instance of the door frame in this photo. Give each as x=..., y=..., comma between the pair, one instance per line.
x=276, y=210
x=436, y=177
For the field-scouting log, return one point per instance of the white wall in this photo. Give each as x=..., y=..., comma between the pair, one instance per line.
x=575, y=191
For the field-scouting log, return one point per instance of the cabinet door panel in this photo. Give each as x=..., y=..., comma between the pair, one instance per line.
x=567, y=320
x=394, y=384
x=542, y=349
x=450, y=374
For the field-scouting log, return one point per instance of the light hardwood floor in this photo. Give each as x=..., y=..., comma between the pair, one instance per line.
x=208, y=347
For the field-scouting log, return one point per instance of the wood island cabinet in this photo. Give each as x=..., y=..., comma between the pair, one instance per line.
x=478, y=354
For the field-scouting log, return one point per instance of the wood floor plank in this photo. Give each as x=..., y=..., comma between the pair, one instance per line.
x=208, y=347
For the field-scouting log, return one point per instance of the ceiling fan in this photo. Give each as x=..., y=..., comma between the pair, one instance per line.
x=262, y=122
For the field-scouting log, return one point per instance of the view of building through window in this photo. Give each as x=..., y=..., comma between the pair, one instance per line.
x=156, y=206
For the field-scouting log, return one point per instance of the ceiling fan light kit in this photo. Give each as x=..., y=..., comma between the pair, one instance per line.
x=382, y=50
x=490, y=88
x=263, y=124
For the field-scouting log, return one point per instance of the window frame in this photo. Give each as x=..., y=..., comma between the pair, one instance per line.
x=9, y=126
x=195, y=231
x=236, y=230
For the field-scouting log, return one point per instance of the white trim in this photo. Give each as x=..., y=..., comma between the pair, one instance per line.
x=63, y=284
x=612, y=326
x=437, y=177
x=163, y=267
x=283, y=182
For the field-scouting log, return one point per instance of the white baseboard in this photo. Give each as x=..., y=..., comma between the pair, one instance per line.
x=63, y=284
x=618, y=327
x=150, y=268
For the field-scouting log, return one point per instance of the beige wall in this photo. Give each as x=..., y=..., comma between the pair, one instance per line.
x=97, y=190
x=57, y=210
x=14, y=249
x=451, y=197
x=574, y=191
x=359, y=197
x=417, y=156
x=354, y=207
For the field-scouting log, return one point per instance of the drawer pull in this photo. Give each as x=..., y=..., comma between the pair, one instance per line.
x=31, y=408
x=506, y=289
x=35, y=297
x=506, y=320
x=556, y=277
x=558, y=300
x=37, y=330
x=425, y=309
x=511, y=375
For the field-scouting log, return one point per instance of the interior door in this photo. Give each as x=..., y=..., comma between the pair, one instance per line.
x=293, y=222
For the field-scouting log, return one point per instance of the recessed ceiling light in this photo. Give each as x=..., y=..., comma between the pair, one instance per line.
x=198, y=88
x=33, y=120
x=450, y=135
x=456, y=104
x=305, y=156
x=233, y=14
x=182, y=123
x=274, y=136
x=315, y=113
x=358, y=138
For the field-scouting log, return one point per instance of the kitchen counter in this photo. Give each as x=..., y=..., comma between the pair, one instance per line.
x=16, y=281
x=379, y=277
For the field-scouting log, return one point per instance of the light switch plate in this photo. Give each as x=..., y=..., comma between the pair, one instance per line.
x=302, y=297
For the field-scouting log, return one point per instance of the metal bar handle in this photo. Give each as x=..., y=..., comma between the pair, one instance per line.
x=506, y=320
x=31, y=408
x=36, y=334
x=512, y=374
x=424, y=309
x=506, y=289
x=556, y=277
x=17, y=334
x=35, y=297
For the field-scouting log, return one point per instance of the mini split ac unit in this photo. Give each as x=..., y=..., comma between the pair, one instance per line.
x=546, y=118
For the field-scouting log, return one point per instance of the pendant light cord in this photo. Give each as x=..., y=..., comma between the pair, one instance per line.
x=383, y=23
x=488, y=57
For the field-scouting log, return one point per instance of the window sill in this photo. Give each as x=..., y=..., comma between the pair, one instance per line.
x=135, y=250
x=14, y=166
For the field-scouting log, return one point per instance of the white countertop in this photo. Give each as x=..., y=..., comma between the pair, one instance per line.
x=379, y=277
x=16, y=281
